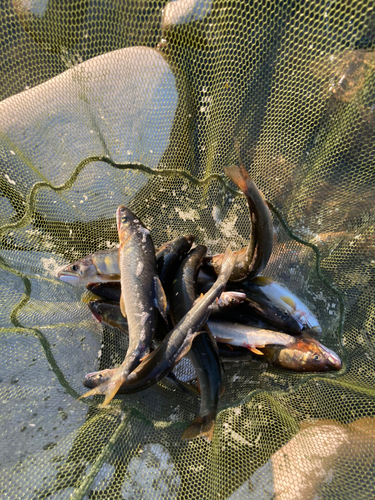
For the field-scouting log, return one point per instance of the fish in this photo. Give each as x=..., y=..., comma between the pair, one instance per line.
x=110, y=290
x=169, y=256
x=303, y=355
x=94, y=268
x=254, y=258
x=203, y=354
x=178, y=341
x=259, y=307
x=250, y=337
x=228, y=300
x=141, y=294
x=103, y=266
x=276, y=348
x=281, y=296
x=110, y=314
x=249, y=308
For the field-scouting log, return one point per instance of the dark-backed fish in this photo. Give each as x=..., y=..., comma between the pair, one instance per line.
x=141, y=293
x=178, y=342
x=169, y=255
x=110, y=290
x=282, y=297
x=260, y=307
x=109, y=313
x=254, y=307
x=253, y=259
x=203, y=353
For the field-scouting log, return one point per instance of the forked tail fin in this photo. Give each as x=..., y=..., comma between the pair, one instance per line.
x=201, y=426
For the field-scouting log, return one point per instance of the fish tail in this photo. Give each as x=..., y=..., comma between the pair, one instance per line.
x=229, y=261
x=118, y=217
x=239, y=176
x=201, y=426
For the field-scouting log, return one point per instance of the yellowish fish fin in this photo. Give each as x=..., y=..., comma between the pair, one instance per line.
x=201, y=427
x=122, y=306
x=263, y=280
x=255, y=350
x=160, y=297
x=289, y=301
x=238, y=175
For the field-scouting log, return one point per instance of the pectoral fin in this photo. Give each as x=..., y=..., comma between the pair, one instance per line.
x=255, y=350
x=289, y=301
x=185, y=348
x=122, y=306
x=160, y=298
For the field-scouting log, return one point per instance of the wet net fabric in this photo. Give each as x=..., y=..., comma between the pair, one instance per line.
x=110, y=102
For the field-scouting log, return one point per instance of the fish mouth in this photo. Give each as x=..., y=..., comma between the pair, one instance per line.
x=94, y=379
x=67, y=277
x=333, y=359
x=96, y=316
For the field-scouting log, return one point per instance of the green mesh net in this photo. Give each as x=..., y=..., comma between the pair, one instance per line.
x=106, y=102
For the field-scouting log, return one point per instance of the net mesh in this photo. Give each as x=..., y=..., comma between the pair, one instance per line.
x=110, y=102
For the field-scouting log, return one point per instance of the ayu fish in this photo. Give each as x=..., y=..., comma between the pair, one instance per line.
x=103, y=266
x=203, y=354
x=178, y=341
x=94, y=268
x=247, y=336
x=110, y=290
x=260, y=307
x=282, y=297
x=252, y=259
x=141, y=293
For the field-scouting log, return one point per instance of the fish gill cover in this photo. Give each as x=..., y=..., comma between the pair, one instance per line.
x=105, y=103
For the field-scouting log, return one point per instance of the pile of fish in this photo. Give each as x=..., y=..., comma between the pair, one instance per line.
x=180, y=301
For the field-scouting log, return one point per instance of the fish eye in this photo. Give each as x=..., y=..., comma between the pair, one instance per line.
x=124, y=218
x=316, y=357
x=74, y=267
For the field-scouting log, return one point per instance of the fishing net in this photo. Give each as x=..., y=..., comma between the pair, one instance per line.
x=110, y=102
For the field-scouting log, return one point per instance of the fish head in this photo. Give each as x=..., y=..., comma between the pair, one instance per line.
x=230, y=299
x=95, y=308
x=81, y=271
x=125, y=219
x=309, y=355
x=105, y=311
